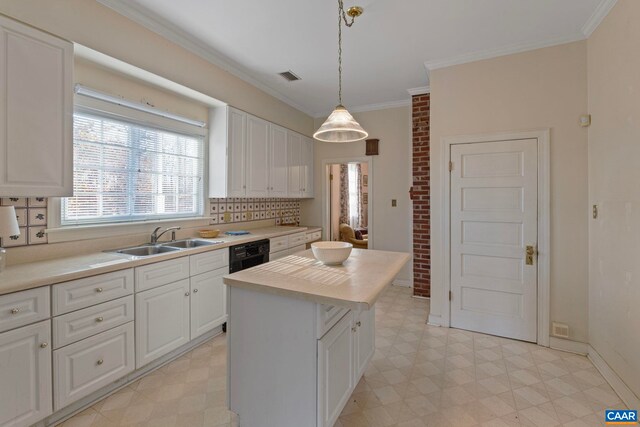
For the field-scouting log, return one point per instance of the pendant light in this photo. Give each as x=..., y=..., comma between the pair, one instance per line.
x=340, y=126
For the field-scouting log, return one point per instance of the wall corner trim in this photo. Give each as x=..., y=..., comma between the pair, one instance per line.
x=626, y=394
x=597, y=17
x=570, y=346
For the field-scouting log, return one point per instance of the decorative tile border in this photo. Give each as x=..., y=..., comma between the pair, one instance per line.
x=32, y=219
x=233, y=210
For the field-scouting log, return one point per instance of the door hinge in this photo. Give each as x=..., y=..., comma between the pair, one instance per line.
x=450, y=166
x=450, y=295
x=331, y=177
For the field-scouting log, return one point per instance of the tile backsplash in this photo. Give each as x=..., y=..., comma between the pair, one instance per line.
x=232, y=210
x=31, y=213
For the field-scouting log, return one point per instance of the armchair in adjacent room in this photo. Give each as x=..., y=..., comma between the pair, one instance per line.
x=348, y=235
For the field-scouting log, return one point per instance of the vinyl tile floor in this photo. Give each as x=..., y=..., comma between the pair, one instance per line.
x=420, y=376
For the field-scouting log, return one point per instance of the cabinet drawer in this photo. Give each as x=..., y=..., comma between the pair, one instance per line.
x=209, y=261
x=278, y=244
x=158, y=274
x=81, y=324
x=327, y=316
x=21, y=308
x=90, y=364
x=297, y=239
x=312, y=237
x=296, y=249
x=90, y=291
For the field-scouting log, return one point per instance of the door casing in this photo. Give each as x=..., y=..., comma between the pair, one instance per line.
x=544, y=244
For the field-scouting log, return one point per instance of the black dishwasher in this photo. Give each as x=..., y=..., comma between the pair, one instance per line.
x=248, y=255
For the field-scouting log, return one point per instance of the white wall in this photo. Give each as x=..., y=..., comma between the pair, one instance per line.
x=390, y=175
x=545, y=88
x=614, y=185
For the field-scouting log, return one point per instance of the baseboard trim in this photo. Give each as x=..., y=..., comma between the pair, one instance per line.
x=569, y=346
x=404, y=283
x=617, y=384
x=434, y=320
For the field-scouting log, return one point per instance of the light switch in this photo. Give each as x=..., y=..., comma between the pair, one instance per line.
x=394, y=203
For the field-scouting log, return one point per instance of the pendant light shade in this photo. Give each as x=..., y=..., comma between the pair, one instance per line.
x=340, y=127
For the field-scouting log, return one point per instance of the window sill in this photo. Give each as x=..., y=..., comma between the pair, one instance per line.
x=98, y=231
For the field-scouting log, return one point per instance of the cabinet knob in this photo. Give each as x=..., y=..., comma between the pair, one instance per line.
x=44, y=345
x=353, y=329
x=15, y=310
x=195, y=291
x=99, y=362
x=99, y=319
x=358, y=323
x=99, y=290
x=186, y=294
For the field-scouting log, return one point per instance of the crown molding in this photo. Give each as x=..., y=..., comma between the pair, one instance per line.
x=598, y=16
x=169, y=31
x=371, y=107
x=419, y=90
x=503, y=51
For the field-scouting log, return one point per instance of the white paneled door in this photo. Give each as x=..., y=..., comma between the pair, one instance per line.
x=494, y=202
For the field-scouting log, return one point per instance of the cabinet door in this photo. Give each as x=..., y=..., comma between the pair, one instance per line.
x=162, y=321
x=306, y=173
x=25, y=375
x=257, y=157
x=208, y=301
x=365, y=341
x=278, y=163
x=335, y=371
x=236, y=152
x=36, y=105
x=294, y=142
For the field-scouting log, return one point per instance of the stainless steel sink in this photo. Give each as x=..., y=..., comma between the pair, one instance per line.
x=146, y=250
x=191, y=243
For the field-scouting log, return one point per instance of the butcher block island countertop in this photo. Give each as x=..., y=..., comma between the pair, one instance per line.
x=301, y=334
x=356, y=284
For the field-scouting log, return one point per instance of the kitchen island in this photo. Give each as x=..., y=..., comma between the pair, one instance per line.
x=301, y=334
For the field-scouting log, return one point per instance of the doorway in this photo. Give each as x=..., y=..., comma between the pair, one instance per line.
x=348, y=206
x=497, y=235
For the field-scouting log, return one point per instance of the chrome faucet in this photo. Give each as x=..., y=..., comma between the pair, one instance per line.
x=155, y=236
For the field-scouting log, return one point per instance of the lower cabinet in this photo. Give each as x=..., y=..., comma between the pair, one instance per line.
x=90, y=364
x=25, y=375
x=162, y=320
x=343, y=355
x=208, y=301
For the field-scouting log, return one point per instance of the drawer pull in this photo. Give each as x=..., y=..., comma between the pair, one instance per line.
x=353, y=329
x=358, y=323
x=99, y=362
x=99, y=319
x=44, y=345
x=99, y=290
x=195, y=291
x=186, y=294
x=15, y=310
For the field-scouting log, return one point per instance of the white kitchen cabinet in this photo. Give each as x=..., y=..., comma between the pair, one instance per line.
x=364, y=340
x=306, y=172
x=162, y=320
x=36, y=112
x=25, y=375
x=227, y=152
x=278, y=163
x=208, y=301
x=336, y=373
x=257, y=157
x=294, y=143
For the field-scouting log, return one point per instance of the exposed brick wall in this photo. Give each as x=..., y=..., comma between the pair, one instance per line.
x=421, y=204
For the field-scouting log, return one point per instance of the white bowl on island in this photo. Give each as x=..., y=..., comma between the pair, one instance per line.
x=331, y=253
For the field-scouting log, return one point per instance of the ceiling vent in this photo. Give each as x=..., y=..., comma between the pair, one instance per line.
x=289, y=76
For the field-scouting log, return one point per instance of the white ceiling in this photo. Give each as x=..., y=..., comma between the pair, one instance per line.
x=385, y=52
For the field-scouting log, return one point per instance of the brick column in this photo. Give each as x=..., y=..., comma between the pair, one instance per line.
x=421, y=205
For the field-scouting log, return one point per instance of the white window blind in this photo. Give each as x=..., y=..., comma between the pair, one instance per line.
x=131, y=172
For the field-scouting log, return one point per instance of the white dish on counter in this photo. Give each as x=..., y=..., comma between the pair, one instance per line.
x=331, y=253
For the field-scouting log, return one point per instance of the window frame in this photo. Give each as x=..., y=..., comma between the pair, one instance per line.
x=60, y=233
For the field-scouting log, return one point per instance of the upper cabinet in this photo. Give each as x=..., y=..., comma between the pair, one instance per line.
x=250, y=157
x=36, y=112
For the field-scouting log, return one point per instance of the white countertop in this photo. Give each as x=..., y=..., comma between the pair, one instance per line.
x=356, y=284
x=42, y=273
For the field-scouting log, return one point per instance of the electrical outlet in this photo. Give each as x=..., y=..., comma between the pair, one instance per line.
x=394, y=203
x=227, y=217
